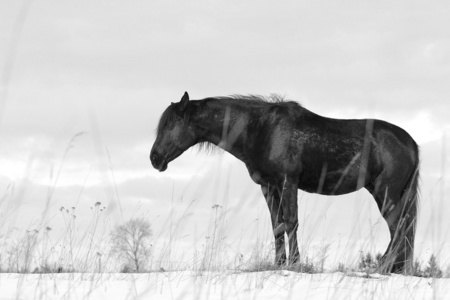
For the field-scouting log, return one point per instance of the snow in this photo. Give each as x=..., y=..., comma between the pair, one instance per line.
x=221, y=285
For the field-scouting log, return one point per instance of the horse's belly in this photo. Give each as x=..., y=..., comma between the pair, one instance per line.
x=329, y=185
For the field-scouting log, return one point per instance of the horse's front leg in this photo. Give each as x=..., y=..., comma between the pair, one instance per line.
x=276, y=215
x=288, y=198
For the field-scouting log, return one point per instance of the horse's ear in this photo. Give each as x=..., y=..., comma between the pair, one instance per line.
x=184, y=101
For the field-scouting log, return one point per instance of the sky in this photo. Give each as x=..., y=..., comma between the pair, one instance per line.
x=83, y=84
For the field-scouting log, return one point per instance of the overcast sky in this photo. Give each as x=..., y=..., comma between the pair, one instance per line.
x=84, y=83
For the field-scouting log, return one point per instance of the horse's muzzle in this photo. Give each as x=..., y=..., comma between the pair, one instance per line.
x=158, y=161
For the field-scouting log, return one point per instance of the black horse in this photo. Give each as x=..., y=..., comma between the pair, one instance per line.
x=287, y=147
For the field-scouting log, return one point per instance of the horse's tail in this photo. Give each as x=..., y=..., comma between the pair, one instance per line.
x=408, y=219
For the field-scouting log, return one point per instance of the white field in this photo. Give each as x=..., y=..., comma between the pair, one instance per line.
x=221, y=285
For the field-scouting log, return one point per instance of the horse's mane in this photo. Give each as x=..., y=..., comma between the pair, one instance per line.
x=208, y=148
x=259, y=100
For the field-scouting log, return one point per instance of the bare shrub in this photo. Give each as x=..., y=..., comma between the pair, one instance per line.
x=130, y=243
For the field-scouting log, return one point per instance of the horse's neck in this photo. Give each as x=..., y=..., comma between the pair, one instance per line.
x=226, y=128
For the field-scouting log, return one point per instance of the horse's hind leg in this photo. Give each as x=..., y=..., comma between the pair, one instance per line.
x=400, y=215
x=276, y=216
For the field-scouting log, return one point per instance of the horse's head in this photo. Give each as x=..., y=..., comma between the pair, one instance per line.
x=174, y=135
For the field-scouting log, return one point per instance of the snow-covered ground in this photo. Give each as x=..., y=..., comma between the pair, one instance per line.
x=221, y=285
